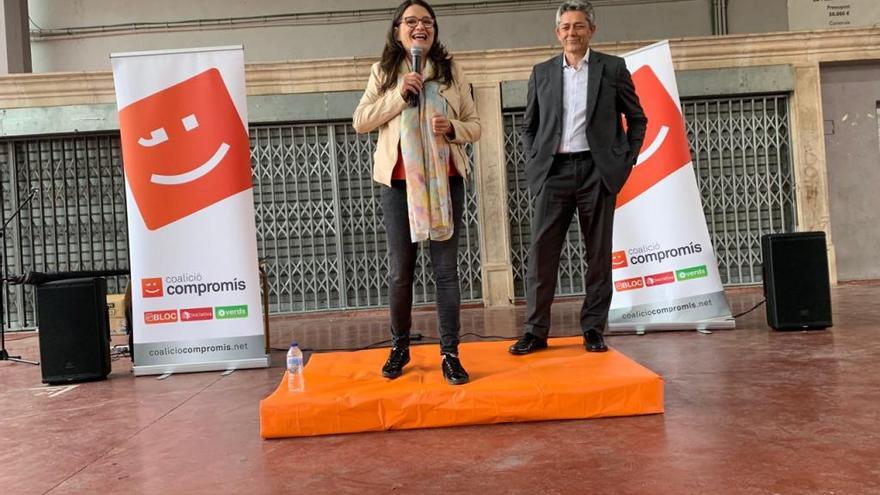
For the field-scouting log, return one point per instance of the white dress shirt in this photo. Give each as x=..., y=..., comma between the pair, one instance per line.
x=574, y=107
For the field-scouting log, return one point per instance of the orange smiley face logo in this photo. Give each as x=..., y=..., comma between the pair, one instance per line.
x=666, y=148
x=152, y=287
x=618, y=260
x=184, y=149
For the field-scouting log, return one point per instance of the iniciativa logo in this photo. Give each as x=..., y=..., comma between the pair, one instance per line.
x=659, y=279
x=195, y=314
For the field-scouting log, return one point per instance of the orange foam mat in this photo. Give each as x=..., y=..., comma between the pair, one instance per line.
x=346, y=393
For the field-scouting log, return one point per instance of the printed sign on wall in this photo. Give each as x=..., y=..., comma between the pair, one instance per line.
x=825, y=14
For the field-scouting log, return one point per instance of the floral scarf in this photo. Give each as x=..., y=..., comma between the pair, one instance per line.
x=426, y=161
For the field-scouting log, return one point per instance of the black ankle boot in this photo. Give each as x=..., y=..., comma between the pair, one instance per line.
x=453, y=371
x=398, y=358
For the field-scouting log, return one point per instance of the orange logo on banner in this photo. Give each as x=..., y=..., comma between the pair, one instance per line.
x=164, y=316
x=659, y=279
x=195, y=314
x=629, y=284
x=151, y=287
x=665, y=149
x=618, y=260
x=184, y=149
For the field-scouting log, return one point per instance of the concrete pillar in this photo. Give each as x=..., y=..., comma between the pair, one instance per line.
x=810, y=166
x=491, y=176
x=15, y=39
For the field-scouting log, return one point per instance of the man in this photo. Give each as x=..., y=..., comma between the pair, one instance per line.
x=579, y=155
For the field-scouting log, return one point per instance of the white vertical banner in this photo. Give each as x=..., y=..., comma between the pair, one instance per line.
x=192, y=234
x=663, y=264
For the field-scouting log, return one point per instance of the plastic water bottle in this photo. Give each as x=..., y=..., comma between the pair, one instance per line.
x=295, y=382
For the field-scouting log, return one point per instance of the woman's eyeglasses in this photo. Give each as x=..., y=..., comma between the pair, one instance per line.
x=412, y=22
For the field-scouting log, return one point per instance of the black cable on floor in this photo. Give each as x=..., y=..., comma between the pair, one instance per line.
x=415, y=339
x=119, y=351
x=756, y=306
x=419, y=339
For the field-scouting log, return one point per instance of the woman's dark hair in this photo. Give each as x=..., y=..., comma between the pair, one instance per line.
x=393, y=54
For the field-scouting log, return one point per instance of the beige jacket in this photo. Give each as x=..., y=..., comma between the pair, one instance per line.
x=382, y=111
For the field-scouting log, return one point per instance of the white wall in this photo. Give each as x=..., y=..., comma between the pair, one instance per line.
x=524, y=26
x=850, y=103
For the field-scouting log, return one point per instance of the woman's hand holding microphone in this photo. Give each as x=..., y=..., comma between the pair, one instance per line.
x=412, y=84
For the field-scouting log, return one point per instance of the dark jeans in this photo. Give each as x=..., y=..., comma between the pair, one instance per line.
x=402, y=253
x=573, y=185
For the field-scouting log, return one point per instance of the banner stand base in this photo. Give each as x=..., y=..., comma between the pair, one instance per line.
x=162, y=369
x=671, y=326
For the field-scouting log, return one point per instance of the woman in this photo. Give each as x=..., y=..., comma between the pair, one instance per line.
x=424, y=118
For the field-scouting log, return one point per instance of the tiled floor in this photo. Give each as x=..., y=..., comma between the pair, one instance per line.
x=749, y=410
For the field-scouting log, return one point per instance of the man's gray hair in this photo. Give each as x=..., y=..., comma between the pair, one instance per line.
x=579, y=5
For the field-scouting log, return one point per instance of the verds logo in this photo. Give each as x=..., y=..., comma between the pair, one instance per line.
x=692, y=273
x=152, y=287
x=226, y=312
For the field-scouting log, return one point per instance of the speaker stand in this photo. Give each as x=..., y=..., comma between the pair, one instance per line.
x=4, y=354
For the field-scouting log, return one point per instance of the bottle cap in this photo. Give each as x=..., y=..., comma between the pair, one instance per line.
x=294, y=344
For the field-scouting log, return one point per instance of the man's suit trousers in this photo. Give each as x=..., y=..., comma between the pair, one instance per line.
x=573, y=185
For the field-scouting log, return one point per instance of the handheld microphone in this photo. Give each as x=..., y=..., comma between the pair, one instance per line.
x=416, y=54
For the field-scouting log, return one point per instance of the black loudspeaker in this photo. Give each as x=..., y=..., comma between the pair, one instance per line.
x=74, y=330
x=796, y=281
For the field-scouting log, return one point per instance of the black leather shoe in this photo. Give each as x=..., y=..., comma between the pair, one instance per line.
x=528, y=344
x=453, y=371
x=396, y=361
x=594, y=342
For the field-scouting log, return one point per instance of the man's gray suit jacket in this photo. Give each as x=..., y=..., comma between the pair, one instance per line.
x=610, y=93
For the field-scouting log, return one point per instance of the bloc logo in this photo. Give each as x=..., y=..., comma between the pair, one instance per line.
x=629, y=284
x=151, y=287
x=196, y=314
x=162, y=316
x=184, y=149
x=618, y=260
x=659, y=279
x=665, y=149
